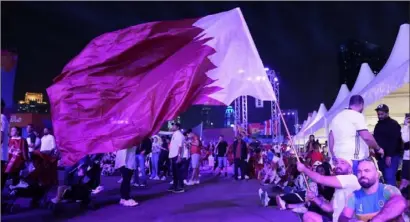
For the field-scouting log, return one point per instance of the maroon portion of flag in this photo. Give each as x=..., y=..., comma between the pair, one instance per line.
x=125, y=84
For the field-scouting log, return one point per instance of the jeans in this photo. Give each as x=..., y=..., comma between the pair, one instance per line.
x=125, y=188
x=140, y=159
x=185, y=168
x=154, y=162
x=239, y=164
x=389, y=173
x=177, y=173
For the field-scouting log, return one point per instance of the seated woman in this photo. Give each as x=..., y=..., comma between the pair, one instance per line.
x=296, y=200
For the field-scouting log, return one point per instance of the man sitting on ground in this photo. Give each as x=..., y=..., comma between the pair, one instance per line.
x=374, y=201
x=344, y=183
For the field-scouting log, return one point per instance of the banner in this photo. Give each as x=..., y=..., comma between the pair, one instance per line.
x=255, y=129
x=8, y=74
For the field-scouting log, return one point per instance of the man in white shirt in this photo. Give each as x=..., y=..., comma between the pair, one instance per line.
x=48, y=142
x=349, y=137
x=4, y=141
x=175, y=156
x=344, y=183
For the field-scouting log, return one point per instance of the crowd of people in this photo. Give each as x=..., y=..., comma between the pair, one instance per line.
x=353, y=177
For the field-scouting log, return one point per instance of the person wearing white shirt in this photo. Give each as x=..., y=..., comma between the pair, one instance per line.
x=33, y=141
x=48, y=142
x=405, y=171
x=349, y=137
x=125, y=162
x=175, y=156
x=4, y=142
x=345, y=183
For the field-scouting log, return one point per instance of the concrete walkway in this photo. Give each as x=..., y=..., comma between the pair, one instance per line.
x=214, y=200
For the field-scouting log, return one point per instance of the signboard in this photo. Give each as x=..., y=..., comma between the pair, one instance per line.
x=258, y=103
x=23, y=119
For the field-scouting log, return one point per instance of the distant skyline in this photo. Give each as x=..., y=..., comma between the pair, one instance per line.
x=300, y=40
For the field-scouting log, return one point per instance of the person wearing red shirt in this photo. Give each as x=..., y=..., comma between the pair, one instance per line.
x=315, y=154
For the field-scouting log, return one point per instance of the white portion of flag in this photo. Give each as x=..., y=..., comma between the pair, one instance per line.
x=239, y=67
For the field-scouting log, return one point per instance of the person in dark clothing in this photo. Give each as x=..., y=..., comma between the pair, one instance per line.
x=142, y=151
x=387, y=133
x=240, y=153
x=164, y=164
x=254, y=151
x=222, y=153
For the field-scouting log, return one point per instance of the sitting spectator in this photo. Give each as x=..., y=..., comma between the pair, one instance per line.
x=344, y=183
x=315, y=155
x=374, y=201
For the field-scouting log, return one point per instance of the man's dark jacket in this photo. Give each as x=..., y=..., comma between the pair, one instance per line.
x=388, y=135
x=244, y=149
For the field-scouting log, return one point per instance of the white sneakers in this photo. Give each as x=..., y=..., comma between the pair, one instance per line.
x=192, y=182
x=263, y=196
x=97, y=190
x=21, y=184
x=128, y=203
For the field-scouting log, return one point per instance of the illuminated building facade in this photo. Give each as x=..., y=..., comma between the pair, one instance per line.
x=229, y=116
x=33, y=103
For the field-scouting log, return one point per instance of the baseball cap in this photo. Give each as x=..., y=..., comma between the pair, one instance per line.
x=383, y=108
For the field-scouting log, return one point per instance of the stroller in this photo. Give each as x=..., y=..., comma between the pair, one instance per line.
x=41, y=176
x=84, y=178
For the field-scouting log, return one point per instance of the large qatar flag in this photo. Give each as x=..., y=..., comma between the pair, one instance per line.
x=125, y=84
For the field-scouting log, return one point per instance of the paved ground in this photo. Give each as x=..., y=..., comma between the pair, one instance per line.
x=214, y=200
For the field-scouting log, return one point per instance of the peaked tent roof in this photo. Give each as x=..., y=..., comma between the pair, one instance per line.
x=363, y=79
x=343, y=93
x=308, y=121
x=320, y=113
x=391, y=85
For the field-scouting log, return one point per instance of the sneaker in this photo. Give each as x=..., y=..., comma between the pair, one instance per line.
x=185, y=182
x=143, y=185
x=55, y=200
x=135, y=185
x=267, y=199
x=179, y=190
x=190, y=183
x=128, y=203
x=300, y=210
x=163, y=178
x=156, y=178
x=119, y=181
x=172, y=182
x=261, y=195
x=196, y=182
x=281, y=204
x=171, y=189
x=246, y=177
x=97, y=190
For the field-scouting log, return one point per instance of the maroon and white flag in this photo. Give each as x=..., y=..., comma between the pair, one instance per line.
x=125, y=84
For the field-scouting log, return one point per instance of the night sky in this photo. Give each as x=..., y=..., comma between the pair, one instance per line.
x=298, y=39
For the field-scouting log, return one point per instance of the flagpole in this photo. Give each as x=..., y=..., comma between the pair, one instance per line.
x=291, y=141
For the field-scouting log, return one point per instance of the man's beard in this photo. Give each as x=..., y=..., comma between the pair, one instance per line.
x=366, y=183
x=339, y=171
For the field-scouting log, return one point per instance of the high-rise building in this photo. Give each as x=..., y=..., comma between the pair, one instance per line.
x=33, y=103
x=229, y=116
x=353, y=53
x=206, y=118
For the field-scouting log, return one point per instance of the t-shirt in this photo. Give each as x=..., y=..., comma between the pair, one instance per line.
x=366, y=206
x=222, y=147
x=348, y=144
x=349, y=184
x=195, y=149
x=315, y=156
x=177, y=141
x=5, y=144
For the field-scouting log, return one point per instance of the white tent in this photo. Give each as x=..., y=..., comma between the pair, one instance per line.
x=365, y=76
x=391, y=86
x=320, y=113
x=299, y=135
x=363, y=79
x=318, y=128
